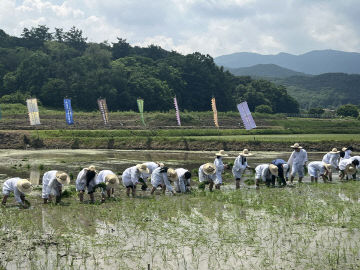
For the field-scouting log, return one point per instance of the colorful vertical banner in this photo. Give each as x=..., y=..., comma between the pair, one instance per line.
x=246, y=116
x=213, y=106
x=140, y=103
x=103, y=109
x=177, y=112
x=68, y=111
x=33, y=111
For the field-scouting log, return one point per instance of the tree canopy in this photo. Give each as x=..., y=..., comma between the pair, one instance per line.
x=51, y=66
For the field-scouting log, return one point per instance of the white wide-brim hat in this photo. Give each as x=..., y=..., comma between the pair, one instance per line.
x=91, y=168
x=172, y=175
x=143, y=168
x=62, y=178
x=24, y=186
x=246, y=153
x=111, y=180
x=296, y=145
x=274, y=169
x=160, y=164
x=350, y=169
x=209, y=168
x=344, y=149
x=221, y=153
x=334, y=151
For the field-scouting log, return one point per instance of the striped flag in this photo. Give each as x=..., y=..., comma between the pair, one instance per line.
x=140, y=103
x=103, y=109
x=213, y=106
x=177, y=112
x=33, y=111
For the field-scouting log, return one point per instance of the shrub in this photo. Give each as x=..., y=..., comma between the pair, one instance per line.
x=348, y=110
x=316, y=111
x=263, y=109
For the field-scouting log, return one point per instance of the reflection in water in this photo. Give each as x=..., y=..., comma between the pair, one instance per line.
x=35, y=176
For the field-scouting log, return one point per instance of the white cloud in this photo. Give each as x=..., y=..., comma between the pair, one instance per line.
x=215, y=27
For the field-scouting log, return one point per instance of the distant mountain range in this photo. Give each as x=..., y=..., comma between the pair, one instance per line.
x=314, y=62
x=265, y=71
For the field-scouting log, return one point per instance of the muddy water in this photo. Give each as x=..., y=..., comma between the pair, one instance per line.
x=32, y=164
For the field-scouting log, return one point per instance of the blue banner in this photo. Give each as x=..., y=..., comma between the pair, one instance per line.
x=68, y=111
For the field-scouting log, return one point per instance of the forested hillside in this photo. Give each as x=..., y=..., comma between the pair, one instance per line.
x=53, y=65
x=265, y=71
x=328, y=90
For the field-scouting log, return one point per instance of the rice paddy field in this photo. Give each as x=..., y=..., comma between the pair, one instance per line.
x=301, y=226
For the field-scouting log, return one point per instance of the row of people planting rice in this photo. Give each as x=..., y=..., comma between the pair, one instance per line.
x=160, y=176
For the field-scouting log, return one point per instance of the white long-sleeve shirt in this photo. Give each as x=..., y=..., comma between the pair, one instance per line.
x=331, y=158
x=355, y=158
x=131, y=176
x=102, y=175
x=181, y=181
x=343, y=163
x=219, y=169
x=298, y=158
x=262, y=172
x=316, y=168
x=160, y=178
x=347, y=154
x=50, y=185
x=151, y=166
x=239, y=165
x=10, y=186
x=80, y=182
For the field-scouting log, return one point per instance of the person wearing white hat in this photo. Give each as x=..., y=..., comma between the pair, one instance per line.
x=219, y=167
x=182, y=183
x=151, y=166
x=351, y=169
x=348, y=167
x=332, y=158
x=110, y=180
x=161, y=177
x=283, y=171
x=133, y=176
x=297, y=161
x=357, y=167
x=52, y=185
x=207, y=175
x=19, y=187
x=86, y=180
x=264, y=173
x=316, y=168
x=240, y=165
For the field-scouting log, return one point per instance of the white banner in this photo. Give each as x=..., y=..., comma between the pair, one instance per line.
x=33, y=111
x=246, y=116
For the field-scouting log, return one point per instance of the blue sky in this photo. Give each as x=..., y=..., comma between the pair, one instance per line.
x=214, y=27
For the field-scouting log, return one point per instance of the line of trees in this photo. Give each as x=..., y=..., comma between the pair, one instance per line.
x=52, y=65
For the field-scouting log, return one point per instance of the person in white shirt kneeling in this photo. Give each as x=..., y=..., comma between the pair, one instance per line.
x=265, y=173
x=52, y=185
x=316, y=168
x=20, y=187
x=107, y=180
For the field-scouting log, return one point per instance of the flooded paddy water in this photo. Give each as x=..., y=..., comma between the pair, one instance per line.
x=308, y=226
